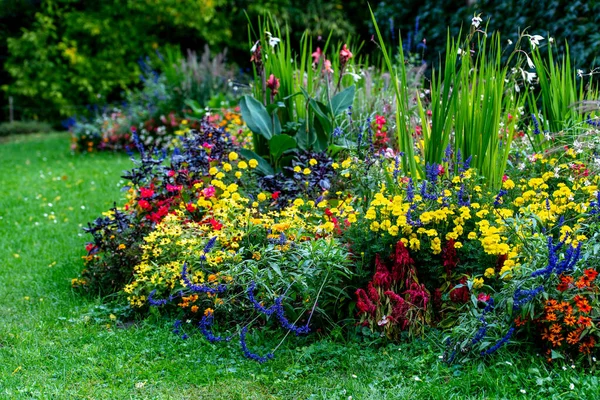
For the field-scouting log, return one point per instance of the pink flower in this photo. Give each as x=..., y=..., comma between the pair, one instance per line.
x=208, y=192
x=345, y=55
x=317, y=55
x=146, y=193
x=273, y=84
x=483, y=297
x=173, y=188
x=327, y=66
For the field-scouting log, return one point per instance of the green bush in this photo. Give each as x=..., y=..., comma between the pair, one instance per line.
x=22, y=127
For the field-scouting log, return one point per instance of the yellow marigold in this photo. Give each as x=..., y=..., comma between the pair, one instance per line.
x=253, y=163
x=489, y=273
x=242, y=165
x=477, y=283
x=227, y=167
x=313, y=162
x=374, y=226
x=508, y=184
x=306, y=171
x=298, y=202
x=233, y=156
x=261, y=197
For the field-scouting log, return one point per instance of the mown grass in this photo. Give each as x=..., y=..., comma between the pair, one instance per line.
x=55, y=343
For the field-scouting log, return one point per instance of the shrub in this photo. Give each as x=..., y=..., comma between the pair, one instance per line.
x=24, y=127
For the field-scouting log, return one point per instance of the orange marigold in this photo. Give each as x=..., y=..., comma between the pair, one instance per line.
x=570, y=320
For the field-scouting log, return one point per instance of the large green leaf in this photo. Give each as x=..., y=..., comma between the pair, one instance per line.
x=279, y=144
x=256, y=116
x=263, y=166
x=342, y=100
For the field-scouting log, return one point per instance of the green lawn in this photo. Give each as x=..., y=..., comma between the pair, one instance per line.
x=56, y=344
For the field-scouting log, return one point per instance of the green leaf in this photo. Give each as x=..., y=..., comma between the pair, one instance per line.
x=342, y=100
x=263, y=166
x=256, y=116
x=279, y=144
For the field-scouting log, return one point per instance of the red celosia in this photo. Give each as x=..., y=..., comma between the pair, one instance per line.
x=402, y=264
x=460, y=294
x=399, y=309
x=363, y=303
x=382, y=277
x=418, y=295
x=373, y=294
x=449, y=257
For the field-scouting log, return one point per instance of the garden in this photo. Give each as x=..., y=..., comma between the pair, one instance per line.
x=343, y=218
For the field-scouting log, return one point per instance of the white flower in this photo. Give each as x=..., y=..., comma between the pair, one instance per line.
x=383, y=321
x=509, y=42
x=273, y=41
x=253, y=49
x=523, y=391
x=476, y=21
x=550, y=40
x=528, y=76
x=416, y=378
x=571, y=386
x=580, y=73
x=535, y=40
x=529, y=62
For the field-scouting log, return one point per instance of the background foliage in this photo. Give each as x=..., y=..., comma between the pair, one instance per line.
x=59, y=56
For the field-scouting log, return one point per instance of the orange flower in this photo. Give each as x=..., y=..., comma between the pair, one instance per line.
x=591, y=274
x=194, y=309
x=555, y=328
x=570, y=320
x=584, y=307
x=582, y=282
x=556, y=340
x=587, y=346
x=550, y=317
x=519, y=321
x=585, y=321
x=573, y=337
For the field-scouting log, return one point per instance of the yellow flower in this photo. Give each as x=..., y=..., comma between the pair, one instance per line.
x=346, y=163
x=226, y=167
x=122, y=246
x=253, y=163
x=233, y=156
x=472, y=235
x=457, y=245
x=238, y=174
x=312, y=162
x=489, y=273
x=242, y=165
x=306, y=171
x=335, y=165
x=374, y=226
x=213, y=171
x=261, y=197
x=297, y=168
x=477, y=283
x=298, y=202
x=508, y=184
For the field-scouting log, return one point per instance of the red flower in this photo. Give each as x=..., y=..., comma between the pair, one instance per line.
x=191, y=207
x=399, y=309
x=171, y=173
x=382, y=276
x=363, y=303
x=146, y=193
x=145, y=205
x=216, y=225
x=402, y=263
x=275, y=195
x=449, y=257
x=89, y=247
x=484, y=298
x=373, y=294
x=460, y=294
